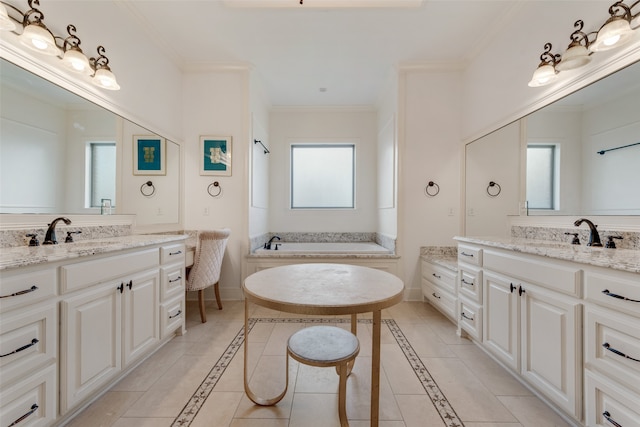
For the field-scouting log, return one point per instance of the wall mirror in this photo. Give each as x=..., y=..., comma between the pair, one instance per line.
x=60, y=154
x=556, y=169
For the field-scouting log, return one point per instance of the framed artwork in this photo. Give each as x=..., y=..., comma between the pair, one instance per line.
x=149, y=155
x=215, y=155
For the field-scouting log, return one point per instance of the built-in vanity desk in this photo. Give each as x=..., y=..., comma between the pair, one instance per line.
x=77, y=317
x=565, y=319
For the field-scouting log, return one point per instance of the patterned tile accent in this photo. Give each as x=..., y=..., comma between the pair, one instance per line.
x=439, y=400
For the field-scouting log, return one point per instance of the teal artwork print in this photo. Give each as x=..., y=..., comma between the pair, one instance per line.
x=149, y=155
x=215, y=155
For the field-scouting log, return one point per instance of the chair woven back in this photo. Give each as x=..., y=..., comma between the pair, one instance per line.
x=207, y=262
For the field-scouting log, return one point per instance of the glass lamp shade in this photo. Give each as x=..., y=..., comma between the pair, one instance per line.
x=6, y=24
x=75, y=60
x=614, y=33
x=575, y=57
x=543, y=75
x=105, y=79
x=38, y=38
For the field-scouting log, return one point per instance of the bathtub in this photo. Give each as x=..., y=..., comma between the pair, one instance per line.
x=345, y=248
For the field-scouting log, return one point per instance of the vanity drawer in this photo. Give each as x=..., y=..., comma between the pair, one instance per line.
x=443, y=300
x=28, y=339
x=439, y=275
x=609, y=337
x=559, y=276
x=471, y=283
x=171, y=316
x=33, y=398
x=470, y=318
x=29, y=287
x=172, y=253
x=606, y=399
x=88, y=273
x=609, y=287
x=172, y=281
x=470, y=255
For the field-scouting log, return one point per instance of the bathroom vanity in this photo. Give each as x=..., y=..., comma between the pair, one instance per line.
x=77, y=317
x=564, y=319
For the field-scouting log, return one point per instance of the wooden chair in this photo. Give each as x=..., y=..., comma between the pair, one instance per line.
x=327, y=346
x=207, y=265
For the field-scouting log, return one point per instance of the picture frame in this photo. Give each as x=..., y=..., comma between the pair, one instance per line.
x=149, y=155
x=215, y=155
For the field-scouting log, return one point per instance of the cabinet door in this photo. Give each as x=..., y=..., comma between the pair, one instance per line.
x=141, y=322
x=90, y=349
x=501, y=325
x=551, y=343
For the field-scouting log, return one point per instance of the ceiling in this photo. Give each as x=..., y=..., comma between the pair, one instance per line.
x=311, y=54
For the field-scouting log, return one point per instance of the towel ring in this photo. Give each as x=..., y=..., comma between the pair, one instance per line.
x=147, y=184
x=214, y=184
x=493, y=184
x=433, y=192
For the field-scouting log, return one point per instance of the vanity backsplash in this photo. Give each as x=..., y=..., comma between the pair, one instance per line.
x=17, y=237
x=630, y=239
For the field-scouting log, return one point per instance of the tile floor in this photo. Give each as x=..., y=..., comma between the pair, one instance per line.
x=480, y=391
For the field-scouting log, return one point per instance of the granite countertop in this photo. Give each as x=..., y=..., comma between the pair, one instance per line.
x=446, y=261
x=617, y=259
x=22, y=256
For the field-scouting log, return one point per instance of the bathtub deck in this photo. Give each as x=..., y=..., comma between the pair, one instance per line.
x=324, y=248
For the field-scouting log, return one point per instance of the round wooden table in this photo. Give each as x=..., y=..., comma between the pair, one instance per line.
x=324, y=289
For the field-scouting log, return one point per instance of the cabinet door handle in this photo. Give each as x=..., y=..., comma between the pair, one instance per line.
x=175, y=253
x=130, y=284
x=466, y=254
x=434, y=294
x=466, y=317
x=26, y=291
x=521, y=290
x=466, y=283
x=176, y=315
x=618, y=352
x=609, y=294
x=607, y=416
x=436, y=276
x=33, y=409
x=512, y=287
x=121, y=287
x=24, y=347
x=176, y=279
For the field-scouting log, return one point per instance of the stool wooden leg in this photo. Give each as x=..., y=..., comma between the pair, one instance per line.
x=342, y=395
x=216, y=288
x=203, y=314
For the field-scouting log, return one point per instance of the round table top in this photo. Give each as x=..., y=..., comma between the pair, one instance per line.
x=323, y=289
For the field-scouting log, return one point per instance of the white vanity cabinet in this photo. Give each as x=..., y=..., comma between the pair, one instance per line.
x=439, y=287
x=612, y=348
x=28, y=346
x=107, y=322
x=172, y=289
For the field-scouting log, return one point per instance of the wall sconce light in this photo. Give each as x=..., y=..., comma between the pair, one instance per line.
x=36, y=36
x=616, y=31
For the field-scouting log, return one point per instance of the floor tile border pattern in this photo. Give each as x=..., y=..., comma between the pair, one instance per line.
x=440, y=402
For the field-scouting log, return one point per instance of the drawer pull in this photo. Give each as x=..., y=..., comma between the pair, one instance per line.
x=26, y=291
x=466, y=283
x=436, y=276
x=176, y=315
x=24, y=347
x=466, y=317
x=33, y=409
x=607, y=416
x=466, y=254
x=176, y=279
x=618, y=352
x=607, y=293
x=434, y=294
x=175, y=253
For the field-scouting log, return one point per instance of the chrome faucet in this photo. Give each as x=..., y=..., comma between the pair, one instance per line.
x=50, y=237
x=268, y=244
x=594, y=237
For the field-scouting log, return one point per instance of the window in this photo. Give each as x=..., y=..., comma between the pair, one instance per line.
x=102, y=172
x=541, y=176
x=322, y=176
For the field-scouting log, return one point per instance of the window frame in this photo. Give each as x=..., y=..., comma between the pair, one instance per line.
x=554, y=172
x=89, y=171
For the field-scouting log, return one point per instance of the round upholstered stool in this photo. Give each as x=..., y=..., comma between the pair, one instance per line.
x=327, y=346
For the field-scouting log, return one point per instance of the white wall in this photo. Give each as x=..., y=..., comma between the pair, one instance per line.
x=430, y=150
x=288, y=126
